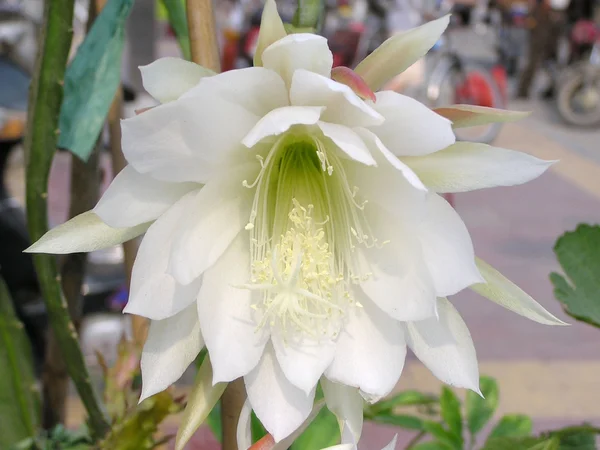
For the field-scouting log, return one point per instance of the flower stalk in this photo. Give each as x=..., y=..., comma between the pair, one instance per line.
x=203, y=34
x=42, y=134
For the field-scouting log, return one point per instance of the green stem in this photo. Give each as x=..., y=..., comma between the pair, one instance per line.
x=415, y=440
x=309, y=14
x=42, y=135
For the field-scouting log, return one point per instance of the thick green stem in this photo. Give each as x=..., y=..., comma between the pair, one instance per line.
x=42, y=135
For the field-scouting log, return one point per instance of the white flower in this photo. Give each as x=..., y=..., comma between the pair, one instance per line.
x=297, y=230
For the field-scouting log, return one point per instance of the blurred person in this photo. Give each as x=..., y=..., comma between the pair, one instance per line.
x=549, y=20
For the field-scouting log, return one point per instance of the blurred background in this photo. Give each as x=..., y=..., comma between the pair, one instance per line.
x=540, y=56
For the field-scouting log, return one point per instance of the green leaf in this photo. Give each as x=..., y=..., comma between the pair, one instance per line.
x=549, y=444
x=445, y=437
x=214, y=422
x=178, y=20
x=257, y=428
x=578, y=253
x=511, y=443
x=405, y=398
x=321, y=433
x=19, y=399
x=450, y=406
x=512, y=425
x=92, y=79
x=400, y=420
x=578, y=441
x=480, y=410
x=308, y=14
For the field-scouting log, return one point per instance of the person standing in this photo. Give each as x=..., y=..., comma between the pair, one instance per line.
x=548, y=21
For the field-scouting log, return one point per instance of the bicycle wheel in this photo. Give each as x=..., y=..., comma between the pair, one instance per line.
x=578, y=96
x=471, y=84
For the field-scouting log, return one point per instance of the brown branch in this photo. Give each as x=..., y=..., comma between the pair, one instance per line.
x=203, y=34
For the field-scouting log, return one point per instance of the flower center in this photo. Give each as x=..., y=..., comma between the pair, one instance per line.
x=304, y=226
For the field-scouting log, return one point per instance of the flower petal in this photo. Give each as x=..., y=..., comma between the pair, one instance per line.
x=171, y=346
x=411, y=128
x=84, y=233
x=445, y=346
x=399, y=282
x=370, y=350
x=188, y=139
x=271, y=30
x=133, y=198
x=244, y=427
x=154, y=293
x=347, y=405
x=342, y=105
x=226, y=317
x=447, y=248
x=298, y=51
x=257, y=89
x=303, y=361
x=504, y=292
x=167, y=79
x=280, y=406
x=280, y=120
x=392, y=444
x=400, y=52
x=376, y=146
x=348, y=142
x=472, y=115
x=466, y=166
x=219, y=212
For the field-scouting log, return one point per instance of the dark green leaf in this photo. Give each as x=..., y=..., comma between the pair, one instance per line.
x=450, y=406
x=178, y=20
x=512, y=425
x=406, y=398
x=214, y=422
x=400, y=420
x=578, y=441
x=548, y=444
x=480, y=410
x=431, y=445
x=511, y=443
x=578, y=253
x=446, y=437
x=258, y=431
x=92, y=79
x=19, y=400
x=321, y=433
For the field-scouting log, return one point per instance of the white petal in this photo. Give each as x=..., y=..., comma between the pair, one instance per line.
x=244, y=427
x=298, y=51
x=343, y=106
x=171, y=346
x=410, y=128
x=280, y=406
x=84, y=233
x=303, y=361
x=399, y=281
x=370, y=350
x=376, y=146
x=133, y=198
x=280, y=120
x=348, y=142
x=400, y=52
x=154, y=293
x=286, y=443
x=473, y=115
x=504, y=292
x=166, y=79
x=447, y=248
x=445, y=346
x=347, y=405
x=257, y=89
x=188, y=139
x=219, y=212
x=392, y=444
x=466, y=166
x=271, y=30
x=224, y=308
